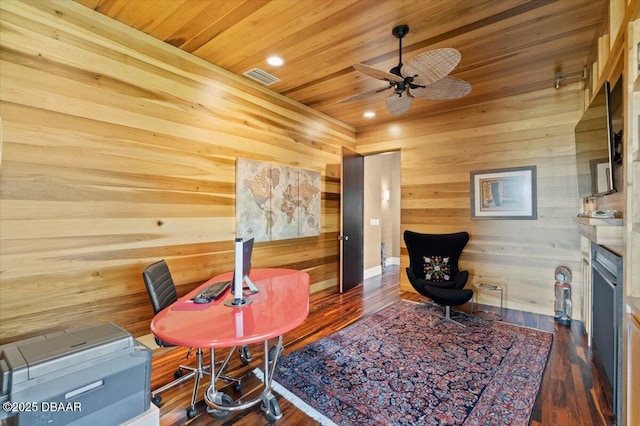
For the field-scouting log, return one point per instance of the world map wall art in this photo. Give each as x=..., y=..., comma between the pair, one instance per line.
x=275, y=202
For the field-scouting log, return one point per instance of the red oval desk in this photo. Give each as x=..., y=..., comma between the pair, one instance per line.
x=281, y=305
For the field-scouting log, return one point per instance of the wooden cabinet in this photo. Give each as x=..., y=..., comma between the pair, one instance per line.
x=633, y=368
x=585, y=257
x=631, y=157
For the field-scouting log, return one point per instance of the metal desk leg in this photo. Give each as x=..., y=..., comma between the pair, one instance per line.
x=219, y=405
x=269, y=404
x=212, y=394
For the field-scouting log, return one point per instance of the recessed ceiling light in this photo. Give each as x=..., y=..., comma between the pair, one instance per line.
x=276, y=61
x=369, y=114
x=395, y=130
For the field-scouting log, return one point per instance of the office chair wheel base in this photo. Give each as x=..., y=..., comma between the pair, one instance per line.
x=271, y=409
x=245, y=355
x=156, y=400
x=191, y=412
x=223, y=400
x=178, y=373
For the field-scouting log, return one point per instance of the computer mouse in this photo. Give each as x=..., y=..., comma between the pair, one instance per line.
x=200, y=300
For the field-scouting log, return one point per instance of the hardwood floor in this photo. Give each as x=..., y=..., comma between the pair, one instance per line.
x=571, y=391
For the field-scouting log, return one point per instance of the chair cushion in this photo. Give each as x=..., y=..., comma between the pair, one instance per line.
x=437, y=268
x=448, y=297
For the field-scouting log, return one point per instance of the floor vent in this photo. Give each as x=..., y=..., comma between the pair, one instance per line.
x=261, y=76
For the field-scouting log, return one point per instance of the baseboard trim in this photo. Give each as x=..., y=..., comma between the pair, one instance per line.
x=372, y=272
x=377, y=270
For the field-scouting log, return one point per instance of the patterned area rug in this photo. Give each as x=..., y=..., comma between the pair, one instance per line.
x=396, y=368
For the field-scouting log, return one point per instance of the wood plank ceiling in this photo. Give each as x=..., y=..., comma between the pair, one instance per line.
x=508, y=47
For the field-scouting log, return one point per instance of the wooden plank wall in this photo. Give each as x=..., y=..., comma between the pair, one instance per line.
x=119, y=150
x=439, y=152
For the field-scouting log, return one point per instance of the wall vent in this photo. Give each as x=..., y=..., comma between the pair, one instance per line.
x=261, y=76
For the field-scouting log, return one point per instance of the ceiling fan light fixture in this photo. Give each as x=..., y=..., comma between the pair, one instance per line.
x=398, y=105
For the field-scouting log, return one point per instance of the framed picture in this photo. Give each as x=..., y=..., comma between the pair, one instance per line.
x=600, y=175
x=504, y=193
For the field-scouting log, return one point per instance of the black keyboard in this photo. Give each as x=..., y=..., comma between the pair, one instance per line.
x=214, y=291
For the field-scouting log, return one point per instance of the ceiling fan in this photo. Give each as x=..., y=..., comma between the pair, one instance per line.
x=424, y=76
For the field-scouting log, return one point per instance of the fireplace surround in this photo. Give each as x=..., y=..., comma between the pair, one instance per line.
x=607, y=310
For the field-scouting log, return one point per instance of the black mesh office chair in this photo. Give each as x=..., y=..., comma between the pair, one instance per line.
x=162, y=292
x=433, y=269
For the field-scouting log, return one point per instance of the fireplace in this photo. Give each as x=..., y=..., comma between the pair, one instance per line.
x=606, y=297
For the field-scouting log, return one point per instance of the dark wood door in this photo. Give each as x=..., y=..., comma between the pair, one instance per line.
x=352, y=204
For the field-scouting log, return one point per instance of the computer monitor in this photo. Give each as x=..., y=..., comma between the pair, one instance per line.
x=243, y=251
x=247, y=250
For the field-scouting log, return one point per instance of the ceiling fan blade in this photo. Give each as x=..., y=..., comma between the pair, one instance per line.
x=431, y=66
x=376, y=73
x=445, y=88
x=398, y=105
x=364, y=94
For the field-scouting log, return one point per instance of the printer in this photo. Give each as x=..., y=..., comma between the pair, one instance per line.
x=91, y=375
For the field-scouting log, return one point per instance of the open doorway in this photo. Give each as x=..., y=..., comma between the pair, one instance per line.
x=381, y=212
